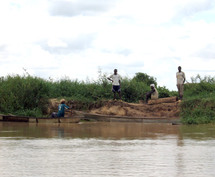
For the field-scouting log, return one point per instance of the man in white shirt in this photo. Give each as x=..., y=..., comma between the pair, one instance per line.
x=180, y=82
x=116, y=83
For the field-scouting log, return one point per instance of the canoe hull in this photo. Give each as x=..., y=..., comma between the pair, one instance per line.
x=54, y=120
x=15, y=119
x=110, y=118
x=40, y=120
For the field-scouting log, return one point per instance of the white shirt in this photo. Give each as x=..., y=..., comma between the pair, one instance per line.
x=154, y=95
x=116, y=78
x=180, y=77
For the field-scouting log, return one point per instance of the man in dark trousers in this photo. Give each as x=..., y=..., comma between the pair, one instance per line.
x=116, y=83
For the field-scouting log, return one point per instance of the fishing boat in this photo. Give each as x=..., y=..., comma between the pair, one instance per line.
x=12, y=118
x=113, y=118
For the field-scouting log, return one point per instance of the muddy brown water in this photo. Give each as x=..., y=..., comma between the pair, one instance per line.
x=106, y=149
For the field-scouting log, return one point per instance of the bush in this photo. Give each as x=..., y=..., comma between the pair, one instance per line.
x=198, y=111
x=199, y=100
x=145, y=78
x=164, y=92
x=133, y=91
x=22, y=93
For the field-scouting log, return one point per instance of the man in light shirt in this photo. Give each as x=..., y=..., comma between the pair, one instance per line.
x=180, y=82
x=116, y=83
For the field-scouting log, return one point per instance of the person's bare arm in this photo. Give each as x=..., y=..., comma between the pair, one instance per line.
x=110, y=79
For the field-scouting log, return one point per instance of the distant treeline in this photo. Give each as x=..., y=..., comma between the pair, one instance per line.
x=29, y=95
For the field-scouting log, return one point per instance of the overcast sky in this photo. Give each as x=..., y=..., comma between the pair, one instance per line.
x=76, y=38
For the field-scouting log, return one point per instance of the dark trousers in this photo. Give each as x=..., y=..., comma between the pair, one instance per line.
x=148, y=95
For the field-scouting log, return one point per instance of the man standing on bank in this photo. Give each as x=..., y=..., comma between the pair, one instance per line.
x=116, y=83
x=180, y=82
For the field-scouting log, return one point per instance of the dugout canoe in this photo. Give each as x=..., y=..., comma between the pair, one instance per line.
x=112, y=118
x=12, y=118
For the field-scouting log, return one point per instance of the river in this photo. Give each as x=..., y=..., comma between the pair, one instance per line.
x=106, y=149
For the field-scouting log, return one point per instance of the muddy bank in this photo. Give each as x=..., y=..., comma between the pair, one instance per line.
x=161, y=108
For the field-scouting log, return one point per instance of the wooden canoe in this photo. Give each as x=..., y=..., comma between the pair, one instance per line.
x=112, y=118
x=9, y=118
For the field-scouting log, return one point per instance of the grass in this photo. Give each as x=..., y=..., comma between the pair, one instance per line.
x=198, y=106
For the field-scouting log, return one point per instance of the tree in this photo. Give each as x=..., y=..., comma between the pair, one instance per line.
x=143, y=77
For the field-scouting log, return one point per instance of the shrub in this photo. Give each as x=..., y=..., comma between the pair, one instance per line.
x=22, y=93
x=199, y=100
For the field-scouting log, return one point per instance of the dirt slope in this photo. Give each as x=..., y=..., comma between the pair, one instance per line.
x=120, y=108
x=161, y=108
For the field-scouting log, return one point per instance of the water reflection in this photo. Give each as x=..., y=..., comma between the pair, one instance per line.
x=198, y=132
x=106, y=130
x=89, y=130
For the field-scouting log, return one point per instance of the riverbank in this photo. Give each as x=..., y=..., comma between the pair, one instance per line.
x=30, y=96
x=163, y=110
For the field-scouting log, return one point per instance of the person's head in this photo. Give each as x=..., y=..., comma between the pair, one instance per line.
x=62, y=101
x=152, y=86
x=179, y=68
x=115, y=71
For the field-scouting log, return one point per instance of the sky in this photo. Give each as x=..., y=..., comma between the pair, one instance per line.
x=75, y=39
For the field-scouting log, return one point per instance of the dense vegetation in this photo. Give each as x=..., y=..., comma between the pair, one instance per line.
x=28, y=95
x=198, y=106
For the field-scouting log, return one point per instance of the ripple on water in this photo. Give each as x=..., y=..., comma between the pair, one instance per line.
x=96, y=157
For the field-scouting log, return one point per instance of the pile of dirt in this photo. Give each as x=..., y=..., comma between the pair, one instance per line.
x=160, y=108
x=166, y=108
x=53, y=106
